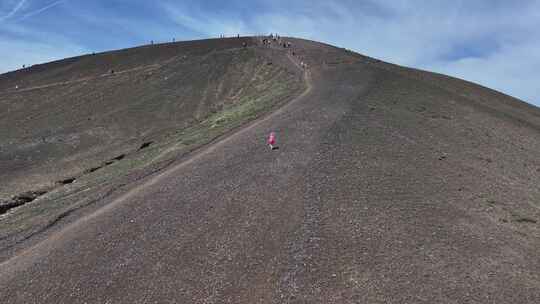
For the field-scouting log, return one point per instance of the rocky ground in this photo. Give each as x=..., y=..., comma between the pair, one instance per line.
x=390, y=185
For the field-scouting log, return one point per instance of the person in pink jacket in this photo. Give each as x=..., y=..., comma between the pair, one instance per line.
x=271, y=140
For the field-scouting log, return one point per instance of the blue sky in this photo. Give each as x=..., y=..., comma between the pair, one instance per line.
x=492, y=42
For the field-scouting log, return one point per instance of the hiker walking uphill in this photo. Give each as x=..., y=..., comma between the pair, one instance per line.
x=271, y=141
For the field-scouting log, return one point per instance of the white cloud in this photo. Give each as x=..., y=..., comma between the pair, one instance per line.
x=202, y=22
x=513, y=70
x=41, y=10
x=13, y=11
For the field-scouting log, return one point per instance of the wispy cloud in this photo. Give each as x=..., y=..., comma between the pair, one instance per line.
x=15, y=9
x=40, y=10
x=204, y=22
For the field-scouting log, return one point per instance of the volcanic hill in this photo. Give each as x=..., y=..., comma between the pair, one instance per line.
x=143, y=176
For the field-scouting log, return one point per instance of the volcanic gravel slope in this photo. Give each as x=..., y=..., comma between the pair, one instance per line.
x=72, y=115
x=390, y=185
